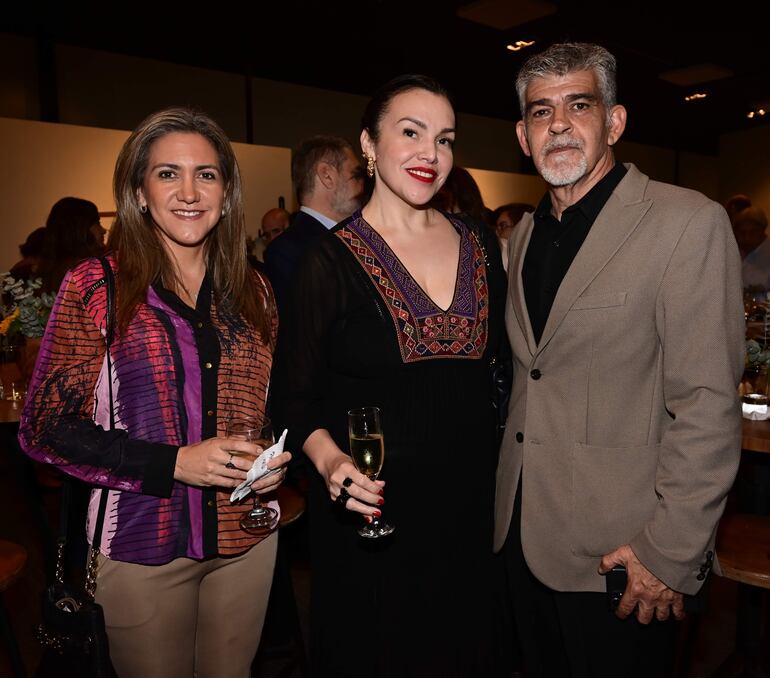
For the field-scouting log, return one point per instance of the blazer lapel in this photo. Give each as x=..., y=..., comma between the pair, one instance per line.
x=520, y=244
x=615, y=223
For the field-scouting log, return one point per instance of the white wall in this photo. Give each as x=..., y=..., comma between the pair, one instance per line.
x=499, y=188
x=43, y=162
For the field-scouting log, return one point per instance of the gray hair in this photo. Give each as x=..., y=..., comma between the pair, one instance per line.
x=320, y=148
x=567, y=57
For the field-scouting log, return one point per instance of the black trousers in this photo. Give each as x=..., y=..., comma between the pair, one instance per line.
x=565, y=634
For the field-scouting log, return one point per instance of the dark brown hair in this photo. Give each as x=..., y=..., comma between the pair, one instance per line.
x=378, y=104
x=68, y=239
x=141, y=257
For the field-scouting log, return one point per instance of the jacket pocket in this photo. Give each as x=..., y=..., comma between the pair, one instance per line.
x=613, y=495
x=599, y=301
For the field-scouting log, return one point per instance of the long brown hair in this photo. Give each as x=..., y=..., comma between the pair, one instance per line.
x=141, y=257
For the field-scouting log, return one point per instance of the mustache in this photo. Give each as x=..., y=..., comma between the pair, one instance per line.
x=560, y=143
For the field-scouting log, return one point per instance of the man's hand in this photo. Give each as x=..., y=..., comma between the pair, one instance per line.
x=644, y=591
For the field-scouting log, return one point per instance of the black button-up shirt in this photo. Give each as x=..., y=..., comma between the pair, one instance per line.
x=554, y=244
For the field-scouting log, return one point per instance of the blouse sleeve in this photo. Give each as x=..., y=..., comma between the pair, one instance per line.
x=318, y=301
x=57, y=424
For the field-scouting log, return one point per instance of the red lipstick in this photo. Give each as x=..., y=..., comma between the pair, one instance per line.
x=424, y=174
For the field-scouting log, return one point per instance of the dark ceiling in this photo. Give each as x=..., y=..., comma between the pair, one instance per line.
x=354, y=46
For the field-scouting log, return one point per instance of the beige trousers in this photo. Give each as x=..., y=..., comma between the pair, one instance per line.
x=188, y=617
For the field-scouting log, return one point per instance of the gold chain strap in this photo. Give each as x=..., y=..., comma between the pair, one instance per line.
x=59, y=574
x=91, y=571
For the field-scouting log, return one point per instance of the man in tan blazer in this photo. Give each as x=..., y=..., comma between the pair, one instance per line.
x=625, y=318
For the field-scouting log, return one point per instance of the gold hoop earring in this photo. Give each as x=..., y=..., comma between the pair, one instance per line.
x=369, y=166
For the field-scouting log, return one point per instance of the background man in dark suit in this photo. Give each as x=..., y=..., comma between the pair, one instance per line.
x=329, y=182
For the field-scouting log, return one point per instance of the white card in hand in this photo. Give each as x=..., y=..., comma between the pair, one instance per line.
x=259, y=468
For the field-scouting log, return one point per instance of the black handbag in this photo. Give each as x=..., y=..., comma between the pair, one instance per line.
x=72, y=624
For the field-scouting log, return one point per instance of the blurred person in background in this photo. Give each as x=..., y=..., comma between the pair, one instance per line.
x=329, y=182
x=505, y=219
x=30, y=250
x=750, y=229
x=274, y=222
x=72, y=233
x=461, y=195
x=736, y=203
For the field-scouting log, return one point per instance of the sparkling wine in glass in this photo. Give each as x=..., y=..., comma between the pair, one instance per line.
x=259, y=519
x=367, y=448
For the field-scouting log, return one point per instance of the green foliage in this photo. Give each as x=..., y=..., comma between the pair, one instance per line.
x=25, y=309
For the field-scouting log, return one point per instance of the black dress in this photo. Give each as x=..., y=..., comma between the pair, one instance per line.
x=426, y=600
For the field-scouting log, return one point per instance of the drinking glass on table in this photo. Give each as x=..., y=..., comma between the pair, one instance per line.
x=367, y=448
x=259, y=519
x=10, y=382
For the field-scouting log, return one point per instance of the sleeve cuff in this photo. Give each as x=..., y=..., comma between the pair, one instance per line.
x=681, y=577
x=159, y=475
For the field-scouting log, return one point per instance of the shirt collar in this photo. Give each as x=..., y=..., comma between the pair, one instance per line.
x=328, y=223
x=593, y=201
x=202, y=305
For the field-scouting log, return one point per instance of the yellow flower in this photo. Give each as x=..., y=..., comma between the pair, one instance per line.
x=6, y=322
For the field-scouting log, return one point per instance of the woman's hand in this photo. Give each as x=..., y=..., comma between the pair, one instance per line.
x=216, y=462
x=271, y=482
x=340, y=473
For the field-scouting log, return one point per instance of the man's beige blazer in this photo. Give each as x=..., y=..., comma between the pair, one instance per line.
x=624, y=420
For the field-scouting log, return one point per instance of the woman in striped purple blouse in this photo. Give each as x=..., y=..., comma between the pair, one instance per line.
x=184, y=588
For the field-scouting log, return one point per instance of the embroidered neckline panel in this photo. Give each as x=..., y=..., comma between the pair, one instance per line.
x=424, y=330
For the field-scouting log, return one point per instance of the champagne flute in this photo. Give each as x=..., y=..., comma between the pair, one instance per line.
x=259, y=519
x=367, y=448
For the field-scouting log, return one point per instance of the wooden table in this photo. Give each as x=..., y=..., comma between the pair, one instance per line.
x=10, y=411
x=756, y=435
x=742, y=546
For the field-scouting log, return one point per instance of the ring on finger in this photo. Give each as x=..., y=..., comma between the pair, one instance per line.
x=229, y=463
x=343, y=497
x=347, y=482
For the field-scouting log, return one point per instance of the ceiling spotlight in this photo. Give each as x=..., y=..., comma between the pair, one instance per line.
x=696, y=96
x=519, y=45
x=755, y=113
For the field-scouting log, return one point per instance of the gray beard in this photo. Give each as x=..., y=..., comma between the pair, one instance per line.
x=346, y=206
x=566, y=173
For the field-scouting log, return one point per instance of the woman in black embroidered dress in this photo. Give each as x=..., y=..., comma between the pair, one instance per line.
x=400, y=306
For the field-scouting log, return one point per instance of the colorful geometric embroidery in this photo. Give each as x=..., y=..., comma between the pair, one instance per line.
x=424, y=330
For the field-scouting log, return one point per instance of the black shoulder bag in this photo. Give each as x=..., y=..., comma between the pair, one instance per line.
x=72, y=626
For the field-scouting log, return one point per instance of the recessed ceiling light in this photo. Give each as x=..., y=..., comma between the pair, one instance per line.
x=692, y=76
x=696, y=96
x=504, y=14
x=519, y=45
x=759, y=109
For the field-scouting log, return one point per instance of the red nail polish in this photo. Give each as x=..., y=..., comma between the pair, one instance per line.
x=380, y=502
x=368, y=519
x=381, y=490
x=377, y=513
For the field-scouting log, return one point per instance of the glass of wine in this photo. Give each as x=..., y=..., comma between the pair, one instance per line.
x=259, y=519
x=367, y=448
